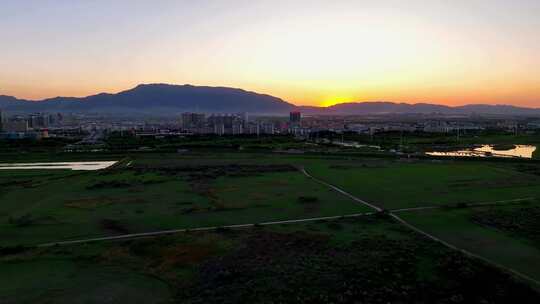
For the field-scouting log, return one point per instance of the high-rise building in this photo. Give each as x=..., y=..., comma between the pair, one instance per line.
x=243, y=116
x=295, y=117
x=267, y=128
x=15, y=126
x=2, y=119
x=237, y=128
x=192, y=120
x=38, y=120
x=219, y=129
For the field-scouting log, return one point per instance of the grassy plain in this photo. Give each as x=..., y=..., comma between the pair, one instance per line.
x=370, y=259
x=459, y=227
x=156, y=194
x=395, y=184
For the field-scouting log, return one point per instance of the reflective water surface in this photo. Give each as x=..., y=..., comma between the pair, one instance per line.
x=524, y=151
x=91, y=165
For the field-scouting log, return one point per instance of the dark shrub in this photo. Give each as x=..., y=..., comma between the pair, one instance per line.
x=308, y=199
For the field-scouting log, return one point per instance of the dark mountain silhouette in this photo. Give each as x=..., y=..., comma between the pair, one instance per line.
x=165, y=99
x=158, y=99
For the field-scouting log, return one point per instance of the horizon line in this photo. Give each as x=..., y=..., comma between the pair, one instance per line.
x=267, y=94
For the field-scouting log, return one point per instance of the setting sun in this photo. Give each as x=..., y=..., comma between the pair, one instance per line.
x=335, y=100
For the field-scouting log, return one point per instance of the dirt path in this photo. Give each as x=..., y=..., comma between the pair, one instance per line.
x=173, y=231
x=426, y=234
x=468, y=205
x=354, y=198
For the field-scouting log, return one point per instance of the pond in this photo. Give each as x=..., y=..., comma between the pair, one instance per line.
x=521, y=151
x=91, y=165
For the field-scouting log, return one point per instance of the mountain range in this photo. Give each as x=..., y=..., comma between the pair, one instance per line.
x=166, y=99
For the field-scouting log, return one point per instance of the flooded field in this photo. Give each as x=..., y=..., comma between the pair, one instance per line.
x=521, y=151
x=92, y=165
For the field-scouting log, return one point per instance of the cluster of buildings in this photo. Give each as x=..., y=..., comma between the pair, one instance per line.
x=431, y=126
x=220, y=124
x=40, y=125
x=296, y=124
x=445, y=125
x=28, y=126
x=236, y=124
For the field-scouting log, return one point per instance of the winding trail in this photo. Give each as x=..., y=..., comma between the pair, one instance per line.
x=426, y=234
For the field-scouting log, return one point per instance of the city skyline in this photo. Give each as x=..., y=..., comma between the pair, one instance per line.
x=307, y=53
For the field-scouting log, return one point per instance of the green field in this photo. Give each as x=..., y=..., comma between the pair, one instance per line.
x=371, y=258
x=401, y=184
x=458, y=227
x=367, y=259
x=39, y=207
x=396, y=185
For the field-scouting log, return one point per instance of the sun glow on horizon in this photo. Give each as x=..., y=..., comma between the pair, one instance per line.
x=328, y=102
x=315, y=52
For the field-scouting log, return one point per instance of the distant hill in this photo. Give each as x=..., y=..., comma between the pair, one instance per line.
x=373, y=108
x=383, y=108
x=165, y=99
x=158, y=99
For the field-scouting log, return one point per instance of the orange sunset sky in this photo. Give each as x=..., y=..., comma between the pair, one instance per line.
x=306, y=52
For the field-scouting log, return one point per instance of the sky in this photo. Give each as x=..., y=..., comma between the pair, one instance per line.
x=307, y=52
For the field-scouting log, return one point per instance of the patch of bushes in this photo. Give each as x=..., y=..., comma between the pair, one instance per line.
x=22, y=221
x=522, y=222
x=212, y=172
x=116, y=184
x=273, y=267
x=10, y=250
x=109, y=184
x=114, y=226
x=308, y=199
